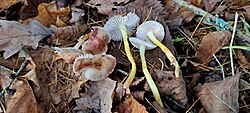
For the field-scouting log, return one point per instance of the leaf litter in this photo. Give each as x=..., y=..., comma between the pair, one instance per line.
x=74, y=68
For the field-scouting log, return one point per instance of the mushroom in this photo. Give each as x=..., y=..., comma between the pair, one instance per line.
x=142, y=45
x=95, y=67
x=119, y=27
x=67, y=54
x=155, y=32
x=97, y=42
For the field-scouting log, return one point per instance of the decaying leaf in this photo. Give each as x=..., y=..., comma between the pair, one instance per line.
x=31, y=75
x=5, y=4
x=30, y=10
x=14, y=35
x=106, y=6
x=130, y=105
x=169, y=85
x=242, y=60
x=210, y=44
x=220, y=96
x=95, y=67
x=244, y=85
x=66, y=35
x=98, y=97
x=24, y=99
x=48, y=14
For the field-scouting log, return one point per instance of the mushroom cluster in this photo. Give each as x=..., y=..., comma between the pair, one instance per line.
x=119, y=27
x=92, y=59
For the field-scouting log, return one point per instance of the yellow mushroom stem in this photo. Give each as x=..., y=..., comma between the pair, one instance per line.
x=131, y=75
x=167, y=52
x=148, y=76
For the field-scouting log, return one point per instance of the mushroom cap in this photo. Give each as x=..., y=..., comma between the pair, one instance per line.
x=95, y=67
x=129, y=21
x=136, y=43
x=155, y=27
x=97, y=42
x=67, y=54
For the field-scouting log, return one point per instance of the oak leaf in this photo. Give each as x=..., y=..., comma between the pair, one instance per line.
x=14, y=35
x=48, y=14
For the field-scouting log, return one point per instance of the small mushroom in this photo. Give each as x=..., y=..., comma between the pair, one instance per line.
x=97, y=42
x=67, y=54
x=119, y=27
x=95, y=67
x=142, y=45
x=155, y=32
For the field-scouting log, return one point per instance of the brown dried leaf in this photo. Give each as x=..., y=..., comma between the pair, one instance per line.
x=23, y=100
x=169, y=85
x=220, y=96
x=31, y=75
x=14, y=35
x=5, y=4
x=143, y=9
x=48, y=14
x=210, y=44
x=177, y=15
x=98, y=97
x=130, y=105
x=66, y=35
x=105, y=6
x=31, y=9
x=242, y=60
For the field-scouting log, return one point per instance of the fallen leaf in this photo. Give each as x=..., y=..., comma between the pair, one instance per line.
x=169, y=85
x=66, y=35
x=31, y=75
x=5, y=4
x=98, y=97
x=106, y=6
x=48, y=14
x=242, y=60
x=220, y=96
x=244, y=85
x=130, y=105
x=30, y=10
x=14, y=35
x=210, y=44
x=23, y=101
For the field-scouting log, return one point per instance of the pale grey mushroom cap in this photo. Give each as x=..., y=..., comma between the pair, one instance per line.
x=153, y=26
x=112, y=26
x=136, y=43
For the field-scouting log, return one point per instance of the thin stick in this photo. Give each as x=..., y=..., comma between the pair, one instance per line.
x=22, y=67
x=231, y=43
x=222, y=69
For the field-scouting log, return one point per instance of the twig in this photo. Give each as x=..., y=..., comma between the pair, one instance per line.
x=231, y=43
x=196, y=10
x=22, y=67
x=222, y=69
